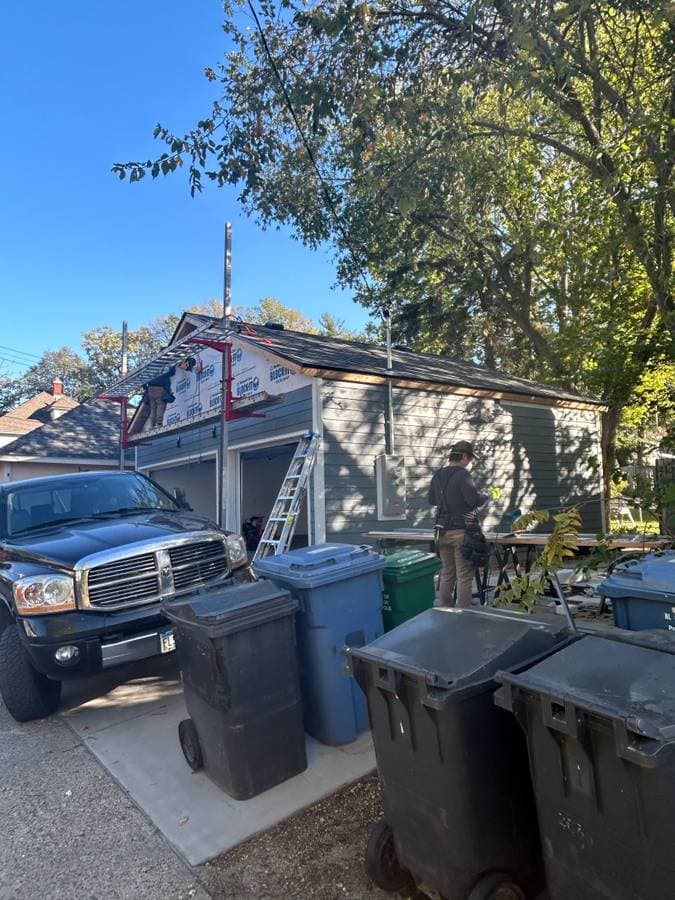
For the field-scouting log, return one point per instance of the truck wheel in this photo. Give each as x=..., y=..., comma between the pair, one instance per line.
x=28, y=694
x=497, y=886
x=189, y=742
x=382, y=863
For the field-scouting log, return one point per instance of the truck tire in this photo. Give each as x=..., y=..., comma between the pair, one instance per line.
x=28, y=694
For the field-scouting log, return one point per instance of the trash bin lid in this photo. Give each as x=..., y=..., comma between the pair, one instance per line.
x=311, y=567
x=401, y=562
x=655, y=574
x=615, y=679
x=453, y=648
x=231, y=608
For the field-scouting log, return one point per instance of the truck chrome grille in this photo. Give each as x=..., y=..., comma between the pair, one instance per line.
x=123, y=568
x=197, y=563
x=147, y=577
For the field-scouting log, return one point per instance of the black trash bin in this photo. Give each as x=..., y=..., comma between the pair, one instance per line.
x=600, y=724
x=236, y=649
x=458, y=804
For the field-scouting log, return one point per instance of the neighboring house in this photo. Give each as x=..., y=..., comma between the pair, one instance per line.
x=35, y=413
x=539, y=444
x=85, y=438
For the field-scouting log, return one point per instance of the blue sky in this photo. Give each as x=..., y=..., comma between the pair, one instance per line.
x=82, y=85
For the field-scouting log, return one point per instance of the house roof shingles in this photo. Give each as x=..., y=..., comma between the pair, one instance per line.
x=90, y=431
x=319, y=352
x=25, y=417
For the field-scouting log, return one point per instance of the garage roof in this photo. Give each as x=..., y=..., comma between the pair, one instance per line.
x=320, y=355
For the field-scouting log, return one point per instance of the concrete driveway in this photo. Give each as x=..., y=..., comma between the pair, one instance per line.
x=67, y=828
x=129, y=720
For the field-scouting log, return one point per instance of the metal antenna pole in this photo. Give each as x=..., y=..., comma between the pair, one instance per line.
x=123, y=405
x=227, y=315
x=390, y=389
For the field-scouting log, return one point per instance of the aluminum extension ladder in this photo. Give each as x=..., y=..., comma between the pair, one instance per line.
x=280, y=526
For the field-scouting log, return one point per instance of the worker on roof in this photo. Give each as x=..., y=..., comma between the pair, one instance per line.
x=457, y=502
x=157, y=393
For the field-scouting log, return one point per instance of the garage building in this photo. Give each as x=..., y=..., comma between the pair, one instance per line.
x=540, y=445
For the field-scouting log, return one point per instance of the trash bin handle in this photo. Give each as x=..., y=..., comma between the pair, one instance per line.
x=297, y=565
x=560, y=715
x=635, y=746
x=388, y=679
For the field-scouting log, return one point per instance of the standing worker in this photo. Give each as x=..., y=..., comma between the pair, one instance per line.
x=454, y=494
x=156, y=395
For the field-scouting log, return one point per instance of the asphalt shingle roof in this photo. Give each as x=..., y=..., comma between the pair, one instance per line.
x=33, y=413
x=317, y=351
x=89, y=431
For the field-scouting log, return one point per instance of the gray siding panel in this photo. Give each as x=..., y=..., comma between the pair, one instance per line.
x=538, y=456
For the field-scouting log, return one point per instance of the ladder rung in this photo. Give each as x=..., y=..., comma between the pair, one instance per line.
x=277, y=518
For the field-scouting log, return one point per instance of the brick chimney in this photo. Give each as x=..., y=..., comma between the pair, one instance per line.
x=57, y=387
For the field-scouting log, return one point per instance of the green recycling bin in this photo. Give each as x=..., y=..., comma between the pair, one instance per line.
x=408, y=585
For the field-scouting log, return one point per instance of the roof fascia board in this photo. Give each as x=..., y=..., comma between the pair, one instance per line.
x=436, y=387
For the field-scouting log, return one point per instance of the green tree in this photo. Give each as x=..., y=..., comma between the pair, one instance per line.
x=87, y=374
x=269, y=309
x=648, y=419
x=102, y=348
x=65, y=364
x=503, y=170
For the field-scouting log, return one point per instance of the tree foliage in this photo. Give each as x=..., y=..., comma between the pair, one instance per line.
x=270, y=309
x=85, y=374
x=502, y=171
x=66, y=364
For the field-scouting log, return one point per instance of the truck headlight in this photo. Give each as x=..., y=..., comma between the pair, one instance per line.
x=236, y=550
x=38, y=594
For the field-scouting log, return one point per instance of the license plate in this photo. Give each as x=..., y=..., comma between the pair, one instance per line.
x=167, y=641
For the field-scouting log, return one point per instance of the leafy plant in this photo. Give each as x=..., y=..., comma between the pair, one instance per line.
x=563, y=542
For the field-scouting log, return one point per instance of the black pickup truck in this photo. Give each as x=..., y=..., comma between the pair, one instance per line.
x=85, y=562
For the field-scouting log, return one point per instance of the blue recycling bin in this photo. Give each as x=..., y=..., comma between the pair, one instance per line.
x=643, y=592
x=339, y=590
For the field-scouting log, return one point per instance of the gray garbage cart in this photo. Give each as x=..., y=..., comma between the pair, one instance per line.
x=458, y=803
x=236, y=648
x=600, y=723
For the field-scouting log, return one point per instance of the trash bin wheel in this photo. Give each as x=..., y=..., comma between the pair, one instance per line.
x=382, y=863
x=189, y=742
x=497, y=886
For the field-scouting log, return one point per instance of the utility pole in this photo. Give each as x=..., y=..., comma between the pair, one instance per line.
x=390, y=443
x=225, y=374
x=123, y=403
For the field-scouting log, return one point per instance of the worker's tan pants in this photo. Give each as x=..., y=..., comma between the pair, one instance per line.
x=157, y=405
x=455, y=569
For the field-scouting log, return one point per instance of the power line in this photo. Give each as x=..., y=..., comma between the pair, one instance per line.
x=20, y=363
x=19, y=352
x=310, y=153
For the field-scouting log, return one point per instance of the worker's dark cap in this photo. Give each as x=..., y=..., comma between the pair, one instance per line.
x=464, y=447
x=190, y=361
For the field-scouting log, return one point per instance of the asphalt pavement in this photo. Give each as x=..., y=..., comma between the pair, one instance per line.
x=67, y=830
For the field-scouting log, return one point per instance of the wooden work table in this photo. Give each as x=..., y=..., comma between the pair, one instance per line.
x=516, y=551
x=634, y=542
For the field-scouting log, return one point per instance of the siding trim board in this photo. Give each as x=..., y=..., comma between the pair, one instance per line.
x=177, y=461
x=434, y=387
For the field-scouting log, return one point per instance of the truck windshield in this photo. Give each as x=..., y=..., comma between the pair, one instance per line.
x=54, y=501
